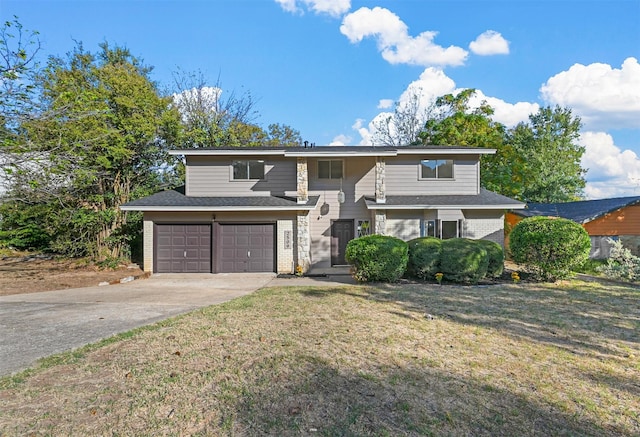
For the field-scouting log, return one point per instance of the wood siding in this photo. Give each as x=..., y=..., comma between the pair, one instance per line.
x=625, y=221
x=211, y=176
x=402, y=176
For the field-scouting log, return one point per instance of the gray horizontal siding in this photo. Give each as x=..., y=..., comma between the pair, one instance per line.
x=359, y=181
x=211, y=176
x=402, y=177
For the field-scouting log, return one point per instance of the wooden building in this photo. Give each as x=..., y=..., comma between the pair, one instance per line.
x=604, y=219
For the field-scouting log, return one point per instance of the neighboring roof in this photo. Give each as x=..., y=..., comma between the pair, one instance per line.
x=581, y=212
x=335, y=151
x=175, y=200
x=484, y=200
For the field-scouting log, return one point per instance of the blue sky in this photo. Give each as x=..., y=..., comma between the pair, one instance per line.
x=329, y=67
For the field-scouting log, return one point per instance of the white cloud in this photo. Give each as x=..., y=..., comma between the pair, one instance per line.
x=340, y=140
x=602, y=96
x=490, y=43
x=385, y=103
x=288, y=5
x=365, y=135
x=334, y=8
x=394, y=41
x=509, y=114
x=612, y=172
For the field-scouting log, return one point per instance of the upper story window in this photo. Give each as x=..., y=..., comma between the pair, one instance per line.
x=436, y=169
x=330, y=169
x=246, y=170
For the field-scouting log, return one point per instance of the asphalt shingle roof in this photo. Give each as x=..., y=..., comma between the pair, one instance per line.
x=176, y=198
x=484, y=198
x=581, y=211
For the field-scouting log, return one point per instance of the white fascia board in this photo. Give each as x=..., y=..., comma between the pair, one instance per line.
x=226, y=152
x=334, y=154
x=383, y=206
x=448, y=151
x=217, y=208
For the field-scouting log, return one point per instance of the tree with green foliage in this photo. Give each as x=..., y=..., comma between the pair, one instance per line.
x=550, y=156
x=18, y=51
x=458, y=125
x=100, y=142
x=538, y=161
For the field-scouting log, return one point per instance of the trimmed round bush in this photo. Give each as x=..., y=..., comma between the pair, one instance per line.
x=377, y=258
x=549, y=247
x=496, y=257
x=463, y=260
x=424, y=257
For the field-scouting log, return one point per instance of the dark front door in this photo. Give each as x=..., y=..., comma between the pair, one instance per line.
x=182, y=248
x=341, y=234
x=245, y=248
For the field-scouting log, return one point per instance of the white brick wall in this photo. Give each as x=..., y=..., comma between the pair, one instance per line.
x=147, y=235
x=487, y=229
x=284, y=246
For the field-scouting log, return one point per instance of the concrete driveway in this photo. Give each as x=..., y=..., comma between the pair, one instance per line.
x=36, y=325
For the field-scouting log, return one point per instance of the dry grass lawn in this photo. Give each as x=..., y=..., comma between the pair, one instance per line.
x=389, y=360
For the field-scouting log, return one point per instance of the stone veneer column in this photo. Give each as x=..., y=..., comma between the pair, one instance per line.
x=302, y=174
x=304, y=241
x=381, y=222
x=381, y=196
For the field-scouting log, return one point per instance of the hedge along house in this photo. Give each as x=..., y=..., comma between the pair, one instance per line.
x=617, y=218
x=278, y=209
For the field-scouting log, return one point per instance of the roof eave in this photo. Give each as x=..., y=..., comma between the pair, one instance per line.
x=217, y=208
x=333, y=154
x=447, y=151
x=226, y=152
x=373, y=206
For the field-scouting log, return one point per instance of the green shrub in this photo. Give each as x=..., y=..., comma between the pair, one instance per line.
x=463, y=260
x=592, y=266
x=549, y=247
x=496, y=257
x=424, y=257
x=622, y=264
x=377, y=258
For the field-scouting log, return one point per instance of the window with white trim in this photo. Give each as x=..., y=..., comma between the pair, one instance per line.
x=428, y=228
x=443, y=229
x=330, y=169
x=436, y=169
x=248, y=170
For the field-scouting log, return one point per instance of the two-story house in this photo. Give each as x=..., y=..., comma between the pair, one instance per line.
x=273, y=209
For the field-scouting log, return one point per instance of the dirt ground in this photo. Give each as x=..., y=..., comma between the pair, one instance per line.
x=30, y=274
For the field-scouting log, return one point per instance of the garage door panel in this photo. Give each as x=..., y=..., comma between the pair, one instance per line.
x=246, y=248
x=183, y=248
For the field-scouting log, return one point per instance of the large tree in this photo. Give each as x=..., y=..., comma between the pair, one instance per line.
x=213, y=118
x=548, y=149
x=537, y=161
x=402, y=126
x=456, y=124
x=100, y=142
x=18, y=50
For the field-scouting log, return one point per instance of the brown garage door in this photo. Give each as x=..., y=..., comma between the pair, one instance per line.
x=245, y=248
x=182, y=248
